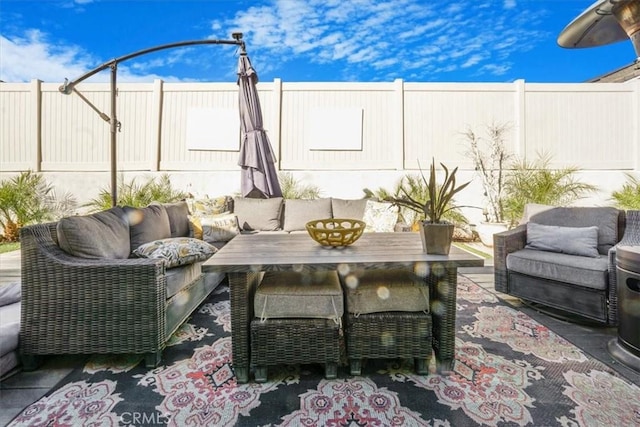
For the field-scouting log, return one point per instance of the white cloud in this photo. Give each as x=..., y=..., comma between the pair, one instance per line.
x=408, y=39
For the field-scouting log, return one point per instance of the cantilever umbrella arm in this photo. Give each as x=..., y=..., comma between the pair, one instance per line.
x=68, y=87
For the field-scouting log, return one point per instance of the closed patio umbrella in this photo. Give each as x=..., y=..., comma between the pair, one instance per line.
x=258, y=177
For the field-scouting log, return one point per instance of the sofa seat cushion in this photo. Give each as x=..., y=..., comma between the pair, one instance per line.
x=379, y=291
x=297, y=212
x=578, y=270
x=9, y=327
x=176, y=251
x=100, y=235
x=179, y=277
x=289, y=294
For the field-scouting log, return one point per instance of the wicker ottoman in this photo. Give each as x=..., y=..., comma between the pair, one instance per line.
x=298, y=320
x=387, y=317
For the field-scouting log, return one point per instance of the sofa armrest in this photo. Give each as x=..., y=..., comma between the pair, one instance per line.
x=503, y=244
x=82, y=306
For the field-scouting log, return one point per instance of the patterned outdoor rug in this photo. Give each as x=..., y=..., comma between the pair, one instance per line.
x=509, y=370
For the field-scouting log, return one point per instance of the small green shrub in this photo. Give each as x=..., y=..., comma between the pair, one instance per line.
x=294, y=189
x=137, y=194
x=628, y=197
x=28, y=199
x=534, y=182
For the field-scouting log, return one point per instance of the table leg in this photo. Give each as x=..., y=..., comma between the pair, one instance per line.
x=443, y=290
x=242, y=288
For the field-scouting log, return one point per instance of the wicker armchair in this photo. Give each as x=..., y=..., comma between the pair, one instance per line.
x=586, y=300
x=73, y=305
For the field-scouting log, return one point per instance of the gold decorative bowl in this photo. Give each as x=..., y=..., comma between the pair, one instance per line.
x=335, y=231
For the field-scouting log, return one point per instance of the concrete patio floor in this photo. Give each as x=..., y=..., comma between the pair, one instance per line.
x=22, y=389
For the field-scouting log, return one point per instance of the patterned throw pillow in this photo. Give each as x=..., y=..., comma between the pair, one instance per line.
x=176, y=251
x=380, y=216
x=207, y=206
x=214, y=228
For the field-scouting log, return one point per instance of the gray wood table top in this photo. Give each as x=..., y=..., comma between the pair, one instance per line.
x=298, y=251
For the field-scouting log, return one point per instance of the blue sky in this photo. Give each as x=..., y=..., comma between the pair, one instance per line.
x=302, y=40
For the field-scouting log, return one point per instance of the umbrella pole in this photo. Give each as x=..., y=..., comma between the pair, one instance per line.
x=114, y=128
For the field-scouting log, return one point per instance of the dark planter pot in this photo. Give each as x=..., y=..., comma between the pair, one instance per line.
x=436, y=238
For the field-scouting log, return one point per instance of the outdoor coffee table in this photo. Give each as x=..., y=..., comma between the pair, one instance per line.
x=247, y=257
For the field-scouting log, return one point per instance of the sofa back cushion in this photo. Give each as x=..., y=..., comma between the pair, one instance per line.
x=297, y=212
x=258, y=214
x=178, y=214
x=147, y=224
x=100, y=235
x=605, y=218
x=349, y=209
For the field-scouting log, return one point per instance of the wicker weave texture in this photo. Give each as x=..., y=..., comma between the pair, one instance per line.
x=389, y=335
x=287, y=341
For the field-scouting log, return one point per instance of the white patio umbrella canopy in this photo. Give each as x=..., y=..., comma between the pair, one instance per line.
x=258, y=175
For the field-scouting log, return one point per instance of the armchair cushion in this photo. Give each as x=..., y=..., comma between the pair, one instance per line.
x=605, y=218
x=577, y=270
x=176, y=251
x=581, y=241
x=100, y=235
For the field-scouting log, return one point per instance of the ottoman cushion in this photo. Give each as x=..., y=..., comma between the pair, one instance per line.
x=385, y=290
x=289, y=294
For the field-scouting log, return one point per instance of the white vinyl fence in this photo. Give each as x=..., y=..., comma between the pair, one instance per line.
x=342, y=137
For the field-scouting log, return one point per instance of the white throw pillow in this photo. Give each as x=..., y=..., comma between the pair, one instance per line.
x=380, y=216
x=214, y=228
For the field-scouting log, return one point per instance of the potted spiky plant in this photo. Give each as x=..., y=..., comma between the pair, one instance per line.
x=436, y=233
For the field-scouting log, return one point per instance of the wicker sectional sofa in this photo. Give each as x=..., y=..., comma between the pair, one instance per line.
x=83, y=292
x=102, y=283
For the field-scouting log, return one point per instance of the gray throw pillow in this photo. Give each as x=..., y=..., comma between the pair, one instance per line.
x=100, y=235
x=581, y=241
x=147, y=224
x=298, y=212
x=258, y=214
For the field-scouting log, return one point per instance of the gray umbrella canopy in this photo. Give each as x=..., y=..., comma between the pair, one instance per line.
x=258, y=175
